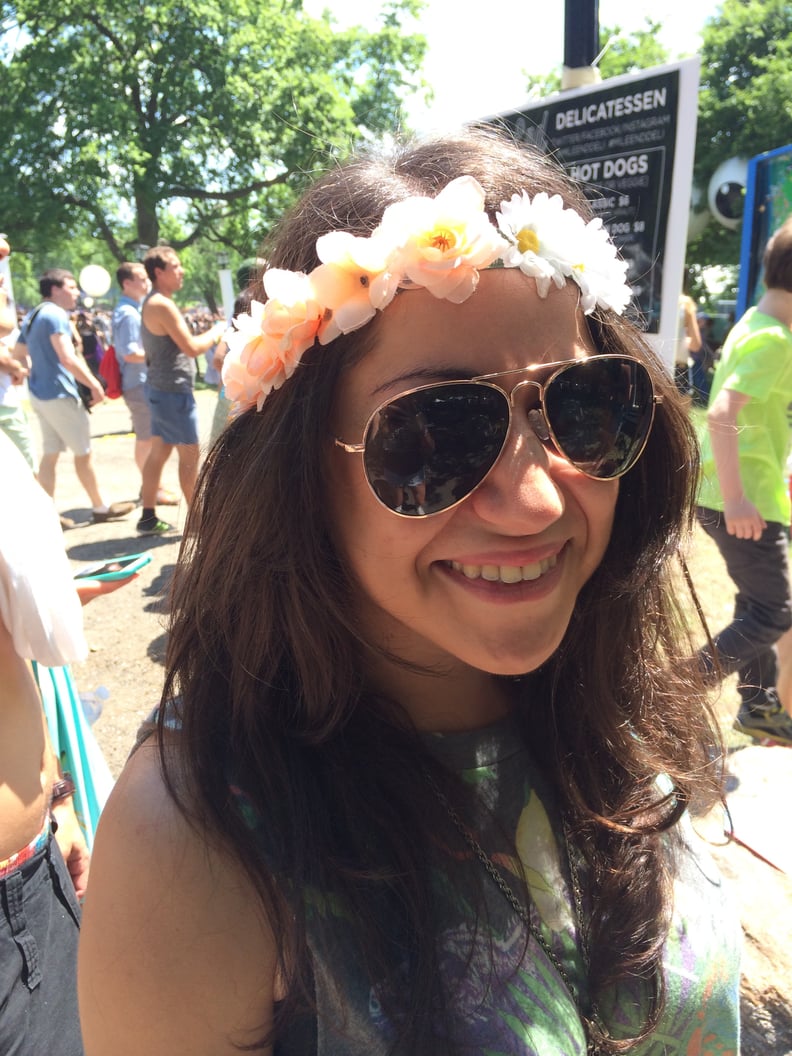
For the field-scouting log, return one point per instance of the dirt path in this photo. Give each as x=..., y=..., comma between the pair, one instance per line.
x=127, y=639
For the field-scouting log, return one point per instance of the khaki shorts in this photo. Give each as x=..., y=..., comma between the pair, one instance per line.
x=139, y=409
x=65, y=425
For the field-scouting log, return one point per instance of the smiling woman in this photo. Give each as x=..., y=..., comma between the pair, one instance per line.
x=418, y=781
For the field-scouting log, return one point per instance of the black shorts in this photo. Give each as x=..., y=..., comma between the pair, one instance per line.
x=39, y=927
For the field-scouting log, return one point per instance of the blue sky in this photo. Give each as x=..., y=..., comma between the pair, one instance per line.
x=479, y=54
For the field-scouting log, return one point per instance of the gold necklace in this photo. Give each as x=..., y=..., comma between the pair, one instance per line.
x=592, y=1025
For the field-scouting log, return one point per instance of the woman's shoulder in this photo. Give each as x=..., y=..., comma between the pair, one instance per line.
x=174, y=938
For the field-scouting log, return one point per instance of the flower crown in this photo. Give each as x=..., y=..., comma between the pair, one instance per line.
x=437, y=244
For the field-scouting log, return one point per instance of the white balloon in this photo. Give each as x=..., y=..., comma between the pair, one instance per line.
x=95, y=280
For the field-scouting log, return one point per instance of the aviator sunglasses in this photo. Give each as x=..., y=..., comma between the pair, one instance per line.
x=427, y=449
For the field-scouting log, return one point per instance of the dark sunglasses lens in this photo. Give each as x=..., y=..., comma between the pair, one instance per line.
x=600, y=412
x=428, y=449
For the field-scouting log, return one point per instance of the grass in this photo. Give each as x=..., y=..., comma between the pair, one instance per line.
x=715, y=592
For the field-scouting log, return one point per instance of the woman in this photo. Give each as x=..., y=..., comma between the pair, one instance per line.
x=422, y=788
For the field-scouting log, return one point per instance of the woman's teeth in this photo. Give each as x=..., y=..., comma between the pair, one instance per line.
x=506, y=573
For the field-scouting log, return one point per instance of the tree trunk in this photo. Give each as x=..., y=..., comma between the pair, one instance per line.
x=147, y=219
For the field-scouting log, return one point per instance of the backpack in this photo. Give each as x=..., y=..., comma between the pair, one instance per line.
x=110, y=373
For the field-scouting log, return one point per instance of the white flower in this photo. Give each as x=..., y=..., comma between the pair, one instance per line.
x=553, y=243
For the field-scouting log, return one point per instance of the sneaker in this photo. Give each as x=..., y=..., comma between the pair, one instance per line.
x=113, y=512
x=66, y=523
x=771, y=723
x=155, y=527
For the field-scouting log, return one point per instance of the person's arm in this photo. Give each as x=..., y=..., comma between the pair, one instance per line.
x=72, y=845
x=90, y=589
x=9, y=364
x=7, y=314
x=220, y=354
x=742, y=518
x=172, y=938
x=163, y=317
x=68, y=834
x=691, y=326
x=126, y=339
x=64, y=350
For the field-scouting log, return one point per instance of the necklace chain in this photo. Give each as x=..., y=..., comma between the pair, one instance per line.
x=590, y=1022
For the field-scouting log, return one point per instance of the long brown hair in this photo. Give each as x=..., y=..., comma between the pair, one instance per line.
x=265, y=655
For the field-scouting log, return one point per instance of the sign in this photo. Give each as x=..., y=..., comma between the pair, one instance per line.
x=630, y=142
x=768, y=203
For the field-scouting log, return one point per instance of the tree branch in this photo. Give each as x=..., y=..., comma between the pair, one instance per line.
x=108, y=33
x=200, y=194
x=98, y=216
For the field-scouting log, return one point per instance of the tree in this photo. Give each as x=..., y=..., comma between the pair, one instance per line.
x=745, y=102
x=119, y=113
x=623, y=53
x=628, y=52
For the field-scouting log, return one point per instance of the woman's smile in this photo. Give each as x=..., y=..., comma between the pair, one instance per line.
x=492, y=572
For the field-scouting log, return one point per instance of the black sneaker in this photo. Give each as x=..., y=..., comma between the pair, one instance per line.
x=154, y=527
x=770, y=722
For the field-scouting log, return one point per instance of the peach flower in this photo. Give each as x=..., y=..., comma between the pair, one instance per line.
x=270, y=340
x=442, y=242
x=353, y=281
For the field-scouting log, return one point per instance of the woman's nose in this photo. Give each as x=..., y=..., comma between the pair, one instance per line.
x=521, y=493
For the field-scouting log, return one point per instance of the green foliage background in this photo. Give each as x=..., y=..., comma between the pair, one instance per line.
x=189, y=121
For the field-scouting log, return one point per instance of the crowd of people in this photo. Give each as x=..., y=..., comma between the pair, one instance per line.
x=58, y=350
x=398, y=797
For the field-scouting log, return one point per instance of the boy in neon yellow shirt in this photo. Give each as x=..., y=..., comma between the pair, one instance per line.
x=744, y=504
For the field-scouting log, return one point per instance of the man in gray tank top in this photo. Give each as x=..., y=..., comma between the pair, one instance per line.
x=171, y=351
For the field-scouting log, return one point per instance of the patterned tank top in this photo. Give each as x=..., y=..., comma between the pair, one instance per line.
x=507, y=997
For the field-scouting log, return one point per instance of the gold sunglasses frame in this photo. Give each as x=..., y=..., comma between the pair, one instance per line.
x=486, y=380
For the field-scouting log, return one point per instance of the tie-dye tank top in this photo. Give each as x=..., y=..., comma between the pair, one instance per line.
x=507, y=999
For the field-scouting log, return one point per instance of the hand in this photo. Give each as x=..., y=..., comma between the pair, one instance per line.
x=18, y=372
x=72, y=844
x=97, y=394
x=742, y=518
x=220, y=354
x=89, y=589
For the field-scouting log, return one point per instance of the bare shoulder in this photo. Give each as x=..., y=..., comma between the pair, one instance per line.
x=160, y=312
x=173, y=938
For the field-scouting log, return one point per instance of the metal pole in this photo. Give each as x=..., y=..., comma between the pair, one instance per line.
x=581, y=43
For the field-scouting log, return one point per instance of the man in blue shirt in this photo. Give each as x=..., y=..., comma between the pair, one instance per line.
x=45, y=341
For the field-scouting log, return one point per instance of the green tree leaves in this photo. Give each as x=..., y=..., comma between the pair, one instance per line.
x=118, y=114
x=745, y=102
